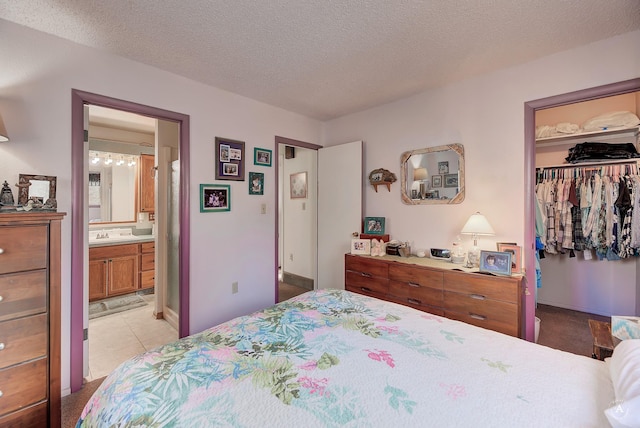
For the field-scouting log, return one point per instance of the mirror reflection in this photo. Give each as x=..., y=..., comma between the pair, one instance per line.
x=112, y=187
x=433, y=175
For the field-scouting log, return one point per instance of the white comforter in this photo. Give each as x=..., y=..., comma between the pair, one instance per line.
x=336, y=359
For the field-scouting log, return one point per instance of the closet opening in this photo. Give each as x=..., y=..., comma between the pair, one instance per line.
x=579, y=213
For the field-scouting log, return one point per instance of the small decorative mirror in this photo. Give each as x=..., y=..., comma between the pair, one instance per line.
x=39, y=188
x=434, y=175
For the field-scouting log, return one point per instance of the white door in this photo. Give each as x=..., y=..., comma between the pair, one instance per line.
x=340, y=182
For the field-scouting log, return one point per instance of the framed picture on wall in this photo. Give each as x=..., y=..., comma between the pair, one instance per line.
x=229, y=159
x=443, y=167
x=451, y=180
x=298, y=183
x=436, y=181
x=256, y=183
x=261, y=157
x=215, y=198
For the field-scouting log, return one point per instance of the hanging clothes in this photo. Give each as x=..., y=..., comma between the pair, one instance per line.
x=589, y=208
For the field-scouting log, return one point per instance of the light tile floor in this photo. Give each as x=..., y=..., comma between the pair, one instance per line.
x=118, y=337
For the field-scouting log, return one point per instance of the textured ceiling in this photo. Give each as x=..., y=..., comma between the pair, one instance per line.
x=328, y=58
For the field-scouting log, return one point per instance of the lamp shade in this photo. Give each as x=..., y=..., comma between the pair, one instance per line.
x=3, y=131
x=477, y=225
x=419, y=174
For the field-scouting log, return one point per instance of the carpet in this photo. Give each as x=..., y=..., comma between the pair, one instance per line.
x=72, y=405
x=114, y=305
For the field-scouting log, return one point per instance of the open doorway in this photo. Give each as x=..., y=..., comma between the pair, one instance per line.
x=80, y=265
x=127, y=297
x=297, y=217
x=581, y=100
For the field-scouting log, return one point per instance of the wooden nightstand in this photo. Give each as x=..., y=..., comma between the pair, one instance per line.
x=603, y=341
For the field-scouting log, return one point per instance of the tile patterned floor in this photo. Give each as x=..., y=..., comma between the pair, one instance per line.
x=117, y=337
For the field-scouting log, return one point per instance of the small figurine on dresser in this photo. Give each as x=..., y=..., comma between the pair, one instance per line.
x=6, y=196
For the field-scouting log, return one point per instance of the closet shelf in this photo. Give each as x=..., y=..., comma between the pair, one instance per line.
x=633, y=131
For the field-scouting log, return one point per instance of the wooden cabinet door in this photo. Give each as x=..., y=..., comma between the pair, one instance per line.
x=98, y=279
x=147, y=182
x=123, y=275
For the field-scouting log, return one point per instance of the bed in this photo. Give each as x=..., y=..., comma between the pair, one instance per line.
x=331, y=358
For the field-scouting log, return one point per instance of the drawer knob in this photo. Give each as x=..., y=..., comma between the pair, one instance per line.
x=413, y=284
x=1, y=250
x=1, y=346
x=477, y=296
x=478, y=317
x=366, y=275
x=1, y=298
x=414, y=301
x=1, y=394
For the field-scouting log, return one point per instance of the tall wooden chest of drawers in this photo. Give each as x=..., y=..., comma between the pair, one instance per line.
x=30, y=319
x=492, y=302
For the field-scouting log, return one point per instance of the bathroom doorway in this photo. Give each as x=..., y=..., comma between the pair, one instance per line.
x=166, y=230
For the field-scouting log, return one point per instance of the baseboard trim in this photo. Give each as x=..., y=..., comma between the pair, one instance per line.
x=297, y=280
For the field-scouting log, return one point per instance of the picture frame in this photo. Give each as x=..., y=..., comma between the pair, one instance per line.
x=229, y=159
x=436, y=181
x=262, y=156
x=374, y=225
x=495, y=262
x=516, y=255
x=298, y=185
x=443, y=167
x=361, y=246
x=451, y=180
x=256, y=183
x=215, y=198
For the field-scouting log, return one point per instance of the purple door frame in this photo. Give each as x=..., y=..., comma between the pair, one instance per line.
x=530, y=109
x=78, y=101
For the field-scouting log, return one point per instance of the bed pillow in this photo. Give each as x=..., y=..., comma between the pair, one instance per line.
x=624, y=368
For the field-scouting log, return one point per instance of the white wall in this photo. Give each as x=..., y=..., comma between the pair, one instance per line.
x=486, y=115
x=36, y=79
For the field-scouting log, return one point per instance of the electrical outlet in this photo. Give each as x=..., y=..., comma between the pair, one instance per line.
x=304, y=206
x=291, y=256
x=263, y=209
x=234, y=287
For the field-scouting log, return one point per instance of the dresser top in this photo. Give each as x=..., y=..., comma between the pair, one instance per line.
x=426, y=262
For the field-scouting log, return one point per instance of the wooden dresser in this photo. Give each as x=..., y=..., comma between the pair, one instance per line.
x=30, y=319
x=492, y=302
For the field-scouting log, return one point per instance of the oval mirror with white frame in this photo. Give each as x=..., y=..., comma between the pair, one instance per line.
x=434, y=175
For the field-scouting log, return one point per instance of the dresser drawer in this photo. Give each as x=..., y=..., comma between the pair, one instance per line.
x=147, y=262
x=23, y=248
x=366, y=266
x=23, y=385
x=23, y=339
x=415, y=294
x=367, y=291
x=491, y=314
x=416, y=276
x=436, y=310
x=490, y=287
x=23, y=294
x=360, y=280
x=30, y=417
x=147, y=247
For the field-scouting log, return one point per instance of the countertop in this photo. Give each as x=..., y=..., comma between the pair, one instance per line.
x=133, y=239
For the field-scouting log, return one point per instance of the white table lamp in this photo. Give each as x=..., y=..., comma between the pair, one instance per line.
x=476, y=225
x=420, y=175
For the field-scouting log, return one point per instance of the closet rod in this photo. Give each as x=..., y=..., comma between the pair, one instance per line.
x=588, y=164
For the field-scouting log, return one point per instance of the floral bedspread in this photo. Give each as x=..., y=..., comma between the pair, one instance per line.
x=331, y=358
